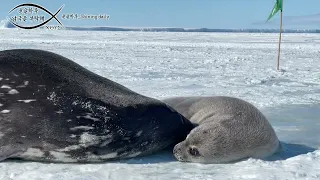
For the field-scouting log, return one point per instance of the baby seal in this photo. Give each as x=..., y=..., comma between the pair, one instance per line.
x=227, y=129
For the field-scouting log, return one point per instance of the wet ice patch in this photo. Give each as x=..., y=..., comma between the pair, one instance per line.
x=16, y=75
x=25, y=84
x=73, y=136
x=53, y=97
x=13, y=91
x=88, y=116
x=110, y=155
x=102, y=108
x=32, y=153
x=5, y=87
x=27, y=101
x=1, y=78
x=63, y=157
x=87, y=139
x=70, y=148
x=59, y=112
x=5, y=111
x=144, y=143
x=134, y=154
x=139, y=133
x=101, y=157
x=106, y=142
x=1, y=105
x=85, y=105
x=85, y=128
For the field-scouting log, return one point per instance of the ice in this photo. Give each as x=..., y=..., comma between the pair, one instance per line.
x=165, y=64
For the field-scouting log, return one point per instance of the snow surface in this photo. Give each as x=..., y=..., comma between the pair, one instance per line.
x=165, y=64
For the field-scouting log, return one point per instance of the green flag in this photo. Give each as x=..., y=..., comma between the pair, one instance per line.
x=276, y=8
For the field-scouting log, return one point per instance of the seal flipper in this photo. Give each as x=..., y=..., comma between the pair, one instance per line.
x=11, y=151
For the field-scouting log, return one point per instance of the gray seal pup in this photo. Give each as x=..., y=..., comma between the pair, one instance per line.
x=54, y=110
x=227, y=129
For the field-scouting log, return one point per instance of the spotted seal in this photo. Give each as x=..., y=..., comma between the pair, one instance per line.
x=54, y=110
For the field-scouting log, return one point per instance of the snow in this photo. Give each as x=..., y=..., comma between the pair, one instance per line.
x=165, y=64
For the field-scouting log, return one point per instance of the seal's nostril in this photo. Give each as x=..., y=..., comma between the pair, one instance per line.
x=179, y=158
x=177, y=155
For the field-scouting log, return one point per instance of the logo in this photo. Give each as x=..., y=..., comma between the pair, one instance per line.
x=30, y=12
x=31, y=16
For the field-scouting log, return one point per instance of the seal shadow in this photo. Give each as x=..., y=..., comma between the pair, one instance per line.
x=297, y=127
x=165, y=156
x=290, y=150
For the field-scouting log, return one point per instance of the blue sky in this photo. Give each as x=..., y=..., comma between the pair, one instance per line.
x=182, y=13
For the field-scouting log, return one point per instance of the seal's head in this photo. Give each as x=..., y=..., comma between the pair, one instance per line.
x=207, y=144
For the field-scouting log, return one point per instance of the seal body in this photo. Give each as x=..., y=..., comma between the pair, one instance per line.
x=54, y=110
x=228, y=129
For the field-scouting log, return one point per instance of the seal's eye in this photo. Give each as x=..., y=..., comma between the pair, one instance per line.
x=194, y=151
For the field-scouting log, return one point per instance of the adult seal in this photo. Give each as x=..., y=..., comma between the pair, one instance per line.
x=228, y=129
x=54, y=110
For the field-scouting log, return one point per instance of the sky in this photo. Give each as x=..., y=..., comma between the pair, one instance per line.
x=223, y=14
